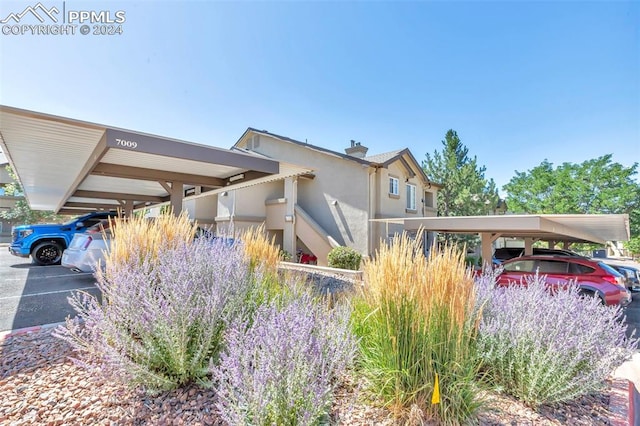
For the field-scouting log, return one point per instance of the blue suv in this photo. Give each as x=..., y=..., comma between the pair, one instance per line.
x=46, y=242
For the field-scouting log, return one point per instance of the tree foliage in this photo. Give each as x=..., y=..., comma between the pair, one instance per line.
x=21, y=213
x=633, y=245
x=597, y=186
x=466, y=191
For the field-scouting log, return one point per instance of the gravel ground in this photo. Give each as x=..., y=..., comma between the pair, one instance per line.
x=39, y=385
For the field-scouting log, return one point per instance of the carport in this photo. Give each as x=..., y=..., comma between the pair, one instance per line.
x=72, y=166
x=554, y=228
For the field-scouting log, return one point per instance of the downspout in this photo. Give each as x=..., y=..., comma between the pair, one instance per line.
x=373, y=203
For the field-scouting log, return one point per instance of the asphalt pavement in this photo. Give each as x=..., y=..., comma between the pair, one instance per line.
x=33, y=295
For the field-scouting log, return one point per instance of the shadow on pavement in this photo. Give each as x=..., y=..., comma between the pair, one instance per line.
x=33, y=295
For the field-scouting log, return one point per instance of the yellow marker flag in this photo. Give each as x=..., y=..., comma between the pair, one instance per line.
x=435, y=398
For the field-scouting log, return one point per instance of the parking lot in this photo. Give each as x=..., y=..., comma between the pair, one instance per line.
x=33, y=295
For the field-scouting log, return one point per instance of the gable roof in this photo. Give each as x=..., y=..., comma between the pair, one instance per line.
x=377, y=160
x=304, y=144
x=384, y=157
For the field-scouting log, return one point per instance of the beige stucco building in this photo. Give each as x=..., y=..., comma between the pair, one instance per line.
x=330, y=205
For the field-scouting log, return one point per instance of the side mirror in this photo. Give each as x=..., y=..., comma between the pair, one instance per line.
x=80, y=225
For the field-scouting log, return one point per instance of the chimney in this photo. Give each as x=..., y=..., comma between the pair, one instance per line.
x=356, y=150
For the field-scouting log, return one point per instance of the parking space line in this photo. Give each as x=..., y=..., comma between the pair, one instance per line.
x=45, y=293
x=75, y=274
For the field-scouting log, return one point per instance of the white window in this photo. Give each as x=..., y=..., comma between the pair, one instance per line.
x=393, y=186
x=411, y=197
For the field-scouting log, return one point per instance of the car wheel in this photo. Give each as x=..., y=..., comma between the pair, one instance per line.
x=49, y=253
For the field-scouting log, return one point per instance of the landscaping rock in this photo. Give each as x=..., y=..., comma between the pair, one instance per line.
x=40, y=385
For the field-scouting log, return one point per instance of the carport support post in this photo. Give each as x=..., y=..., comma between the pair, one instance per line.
x=128, y=208
x=289, y=231
x=528, y=246
x=177, y=193
x=486, y=243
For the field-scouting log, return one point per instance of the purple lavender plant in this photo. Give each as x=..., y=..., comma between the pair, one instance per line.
x=161, y=319
x=545, y=348
x=282, y=368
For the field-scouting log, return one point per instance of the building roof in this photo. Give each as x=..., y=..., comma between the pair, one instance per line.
x=384, y=157
x=377, y=160
x=306, y=145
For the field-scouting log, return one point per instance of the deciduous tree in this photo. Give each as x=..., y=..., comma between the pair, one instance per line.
x=597, y=186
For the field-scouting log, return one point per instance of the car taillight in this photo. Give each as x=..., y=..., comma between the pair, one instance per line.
x=86, y=244
x=613, y=280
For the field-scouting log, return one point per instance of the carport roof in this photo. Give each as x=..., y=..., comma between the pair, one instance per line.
x=595, y=228
x=66, y=165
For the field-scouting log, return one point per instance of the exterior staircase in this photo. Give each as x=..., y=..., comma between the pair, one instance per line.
x=314, y=236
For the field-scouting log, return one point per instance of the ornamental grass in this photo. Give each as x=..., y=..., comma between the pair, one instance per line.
x=137, y=238
x=416, y=318
x=260, y=250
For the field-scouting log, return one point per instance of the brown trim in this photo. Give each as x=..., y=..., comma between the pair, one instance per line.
x=394, y=196
x=118, y=196
x=412, y=211
x=139, y=173
x=137, y=142
x=428, y=183
x=408, y=168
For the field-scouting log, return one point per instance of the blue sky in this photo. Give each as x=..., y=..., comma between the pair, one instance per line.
x=519, y=81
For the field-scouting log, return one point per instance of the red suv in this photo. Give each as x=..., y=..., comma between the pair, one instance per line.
x=593, y=277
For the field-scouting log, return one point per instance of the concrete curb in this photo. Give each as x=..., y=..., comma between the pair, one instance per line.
x=6, y=335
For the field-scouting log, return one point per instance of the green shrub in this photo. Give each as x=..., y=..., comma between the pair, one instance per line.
x=416, y=319
x=282, y=369
x=161, y=318
x=473, y=261
x=344, y=258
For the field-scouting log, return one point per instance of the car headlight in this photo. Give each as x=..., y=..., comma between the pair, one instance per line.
x=26, y=233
